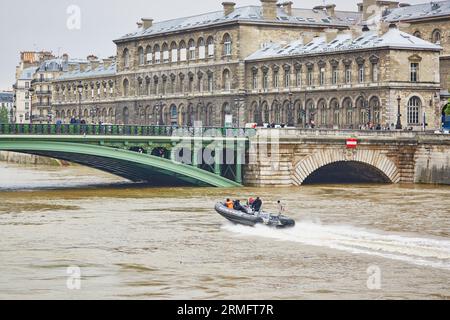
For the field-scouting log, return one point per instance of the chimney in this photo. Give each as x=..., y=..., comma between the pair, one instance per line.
x=83, y=66
x=139, y=24
x=287, y=7
x=228, y=7
x=269, y=9
x=330, y=9
x=331, y=34
x=147, y=23
x=107, y=62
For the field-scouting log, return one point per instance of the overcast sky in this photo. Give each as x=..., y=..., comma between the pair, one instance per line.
x=42, y=24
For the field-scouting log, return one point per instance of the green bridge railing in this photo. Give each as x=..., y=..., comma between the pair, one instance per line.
x=120, y=130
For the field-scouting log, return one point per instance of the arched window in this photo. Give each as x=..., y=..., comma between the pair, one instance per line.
x=311, y=113
x=165, y=52
x=436, y=36
x=157, y=53
x=173, y=115
x=414, y=105
x=210, y=43
x=348, y=107
x=226, y=80
x=375, y=110
x=227, y=115
x=323, y=113
x=417, y=34
x=183, y=52
x=126, y=116
x=191, y=46
x=141, y=57
x=126, y=58
x=148, y=55
x=201, y=49
x=126, y=87
x=227, y=45
x=174, y=52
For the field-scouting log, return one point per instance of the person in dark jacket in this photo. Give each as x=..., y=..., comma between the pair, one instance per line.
x=238, y=206
x=257, y=205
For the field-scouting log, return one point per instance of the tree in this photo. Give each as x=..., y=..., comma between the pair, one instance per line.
x=447, y=110
x=4, y=115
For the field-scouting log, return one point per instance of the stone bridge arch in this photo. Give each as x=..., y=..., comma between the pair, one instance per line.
x=322, y=158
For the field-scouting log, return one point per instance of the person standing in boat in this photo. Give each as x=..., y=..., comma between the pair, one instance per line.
x=229, y=204
x=257, y=205
x=281, y=208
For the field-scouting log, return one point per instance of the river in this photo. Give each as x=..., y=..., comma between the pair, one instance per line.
x=76, y=233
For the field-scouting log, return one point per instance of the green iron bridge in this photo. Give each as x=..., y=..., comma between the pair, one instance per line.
x=158, y=155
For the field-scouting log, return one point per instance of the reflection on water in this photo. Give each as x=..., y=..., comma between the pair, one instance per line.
x=146, y=243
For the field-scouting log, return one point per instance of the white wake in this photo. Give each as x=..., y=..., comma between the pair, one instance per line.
x=419, y=251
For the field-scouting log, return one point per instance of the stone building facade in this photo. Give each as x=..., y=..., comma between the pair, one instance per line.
x=201, y=68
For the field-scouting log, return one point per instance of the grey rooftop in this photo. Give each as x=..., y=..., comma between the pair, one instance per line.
x=247, y=14
x=420, y=11
x=394, y=38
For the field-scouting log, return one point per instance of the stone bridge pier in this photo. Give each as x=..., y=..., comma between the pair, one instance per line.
x=288, y=157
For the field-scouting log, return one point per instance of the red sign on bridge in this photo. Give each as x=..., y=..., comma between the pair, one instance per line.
x=352, y=143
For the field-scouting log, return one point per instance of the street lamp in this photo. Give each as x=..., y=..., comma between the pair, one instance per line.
x=31, y=92
x=399, y=115
x=290, y=112
x=80, y=92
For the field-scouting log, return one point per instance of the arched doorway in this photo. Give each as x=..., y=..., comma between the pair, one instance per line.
x=350, y=172
x=173, y=115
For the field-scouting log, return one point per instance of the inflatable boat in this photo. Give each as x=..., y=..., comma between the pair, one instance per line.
x=251, y=218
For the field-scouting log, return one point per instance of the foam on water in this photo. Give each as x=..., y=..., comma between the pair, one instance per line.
x=414, y=250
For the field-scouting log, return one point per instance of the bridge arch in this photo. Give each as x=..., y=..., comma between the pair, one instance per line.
x=371, y=159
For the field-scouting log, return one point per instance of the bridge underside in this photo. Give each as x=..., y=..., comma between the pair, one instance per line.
x=347, y=172
x=133, y=172
x=130, y=165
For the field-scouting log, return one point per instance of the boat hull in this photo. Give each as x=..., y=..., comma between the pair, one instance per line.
x=251, y=219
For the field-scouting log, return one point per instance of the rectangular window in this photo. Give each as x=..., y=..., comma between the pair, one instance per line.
x=211, y=50
x=310, y=77
x=210, y=84
x=27, y=85
x=275, y=80
x=375, y=72
x=227, y=48
x=414, y=72
x=149, y=58
x=348, y=75
x=322, y=76
x=174, y=55
x=202, y=52
x=183, y=54
x=265, y=81
x=158, y=57
x=166, y=56
x=361, y=74
x=192, y=53
x=287, y=79
x=335, y=76
x=298, y=78
x=255, y=81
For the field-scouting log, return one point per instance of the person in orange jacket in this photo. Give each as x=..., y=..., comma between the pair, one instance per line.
x=229, y=204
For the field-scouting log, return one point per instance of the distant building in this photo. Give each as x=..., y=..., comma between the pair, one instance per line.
x=272, y=63
x=7, y=101
x=23, y=95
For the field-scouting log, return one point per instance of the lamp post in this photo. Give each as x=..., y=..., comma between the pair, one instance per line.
x=31, y=91
x=290, y=112
x=80, y=92
x=399, y=115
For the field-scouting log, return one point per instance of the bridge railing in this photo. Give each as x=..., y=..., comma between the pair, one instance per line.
x=120, y=130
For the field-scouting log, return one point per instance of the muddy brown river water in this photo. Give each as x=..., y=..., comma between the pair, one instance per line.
x=75, y=233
